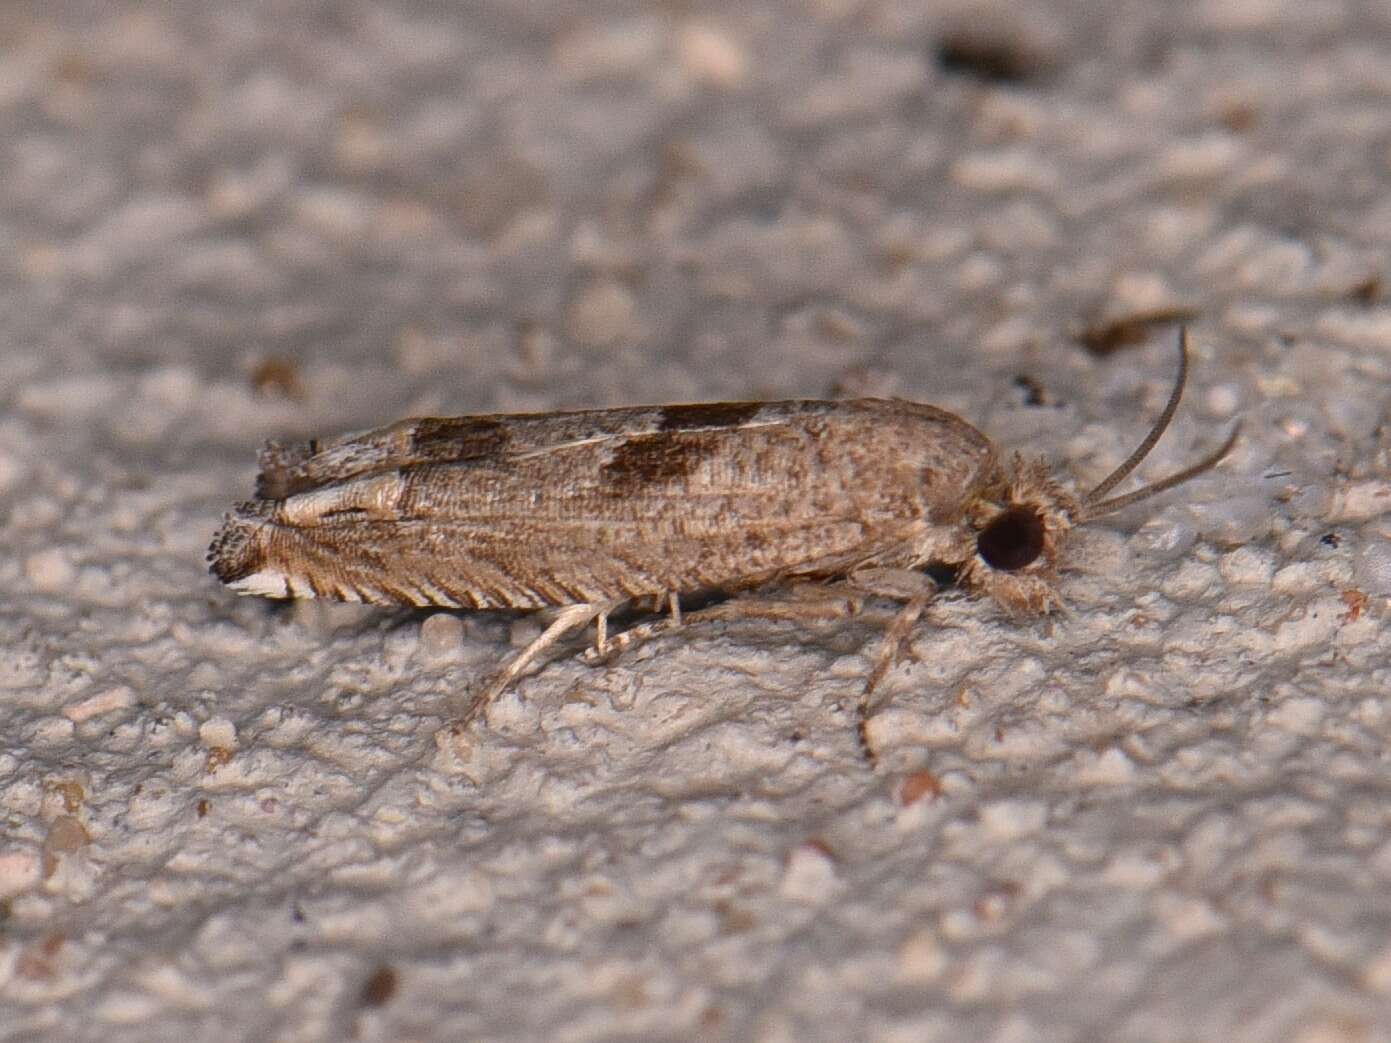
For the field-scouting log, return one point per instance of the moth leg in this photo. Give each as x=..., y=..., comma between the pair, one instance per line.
x=621, y=642
x=601, y=633
x=895, y=638
x=823, y=607
x=893, y=584
x=901, y=585
x=571, y=617
x=603, y=648
x=606, y=648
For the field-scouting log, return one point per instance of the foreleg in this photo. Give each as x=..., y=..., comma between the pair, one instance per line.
x=916, y=590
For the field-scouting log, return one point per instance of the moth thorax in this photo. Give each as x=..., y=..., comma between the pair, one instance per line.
x=1013, y=539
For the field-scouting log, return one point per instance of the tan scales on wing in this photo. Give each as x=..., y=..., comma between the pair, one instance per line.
x=614, y=505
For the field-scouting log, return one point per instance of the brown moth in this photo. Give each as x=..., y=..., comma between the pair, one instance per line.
x=585, y=512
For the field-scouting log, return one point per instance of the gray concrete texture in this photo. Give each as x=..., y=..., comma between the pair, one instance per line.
x=1162, y=815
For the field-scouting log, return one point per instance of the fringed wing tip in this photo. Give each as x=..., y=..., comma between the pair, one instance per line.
x=235, y=552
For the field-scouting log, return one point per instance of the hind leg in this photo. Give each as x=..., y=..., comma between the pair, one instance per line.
x=572, y=617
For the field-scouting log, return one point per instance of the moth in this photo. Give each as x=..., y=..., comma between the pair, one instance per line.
x=586, y=512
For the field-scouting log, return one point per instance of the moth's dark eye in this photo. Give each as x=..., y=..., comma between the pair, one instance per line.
x=1013, y=540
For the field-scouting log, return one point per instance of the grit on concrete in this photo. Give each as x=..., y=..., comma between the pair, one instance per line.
x=1161, y=816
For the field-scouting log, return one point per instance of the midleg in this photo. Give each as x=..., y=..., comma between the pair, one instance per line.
x=822, y=607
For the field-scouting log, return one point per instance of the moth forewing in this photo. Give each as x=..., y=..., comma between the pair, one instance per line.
x=584, y=512
x=610, y=505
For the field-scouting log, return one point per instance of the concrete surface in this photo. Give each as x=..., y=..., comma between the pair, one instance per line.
x=1163, y=816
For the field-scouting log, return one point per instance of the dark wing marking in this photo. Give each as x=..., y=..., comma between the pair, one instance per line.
x=286, y=470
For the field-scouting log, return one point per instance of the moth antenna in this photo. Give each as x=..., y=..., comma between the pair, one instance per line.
x=1207, y=463
x=1121, y=473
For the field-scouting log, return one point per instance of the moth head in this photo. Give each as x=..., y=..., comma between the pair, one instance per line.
x=1018, y=527
x=1021, y=524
